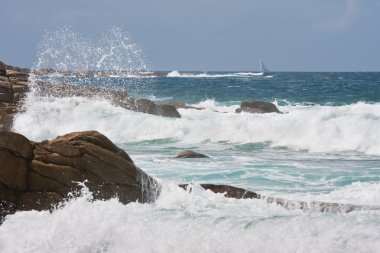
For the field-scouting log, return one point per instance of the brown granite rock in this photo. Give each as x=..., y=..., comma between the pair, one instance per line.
x=47, y=171
x=229, y=191
x=3, y=71
x=147, y=106
x=15, y=144
x=119, y=98
x=13, y=87
x=254, y=106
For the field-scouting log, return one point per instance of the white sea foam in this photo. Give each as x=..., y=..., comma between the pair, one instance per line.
x=176, y=73
x=315, y=128
x=358, y=193
x=180, y=221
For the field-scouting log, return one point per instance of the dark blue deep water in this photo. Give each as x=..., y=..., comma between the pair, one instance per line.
x=294, y=87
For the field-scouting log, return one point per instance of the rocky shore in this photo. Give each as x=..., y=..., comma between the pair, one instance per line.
x=39, y=175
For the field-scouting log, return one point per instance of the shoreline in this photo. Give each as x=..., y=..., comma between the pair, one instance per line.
x=64, y=156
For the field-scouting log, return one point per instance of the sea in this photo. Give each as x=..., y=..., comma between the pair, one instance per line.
x=324, y=147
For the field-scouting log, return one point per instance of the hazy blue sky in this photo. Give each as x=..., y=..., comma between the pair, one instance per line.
x=300, y=35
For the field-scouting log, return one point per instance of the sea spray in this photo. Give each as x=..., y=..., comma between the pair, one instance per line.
x=68, y=57
x=324, y=148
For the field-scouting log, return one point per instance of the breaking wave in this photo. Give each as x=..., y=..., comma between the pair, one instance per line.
x=177, y=74
x=313, y=128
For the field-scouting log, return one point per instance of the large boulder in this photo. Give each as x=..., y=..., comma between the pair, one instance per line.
x=46, y=172
x=254, y=106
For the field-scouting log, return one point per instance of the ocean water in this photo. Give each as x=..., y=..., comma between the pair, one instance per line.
x=324, y=147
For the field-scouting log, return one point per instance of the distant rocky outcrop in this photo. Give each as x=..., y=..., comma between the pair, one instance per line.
x=254, y=106
x=119, y=98
x=13, y=87
x=190, y=154
x=37, y=175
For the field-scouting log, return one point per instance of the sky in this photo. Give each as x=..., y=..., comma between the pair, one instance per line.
x=206, y=35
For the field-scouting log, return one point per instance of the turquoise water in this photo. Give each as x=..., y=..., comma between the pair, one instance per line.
x=325, y=147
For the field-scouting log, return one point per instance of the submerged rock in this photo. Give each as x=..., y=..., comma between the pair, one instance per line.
x=190, y=154
x=39, y=175
x=314, y=206
x=254, y=106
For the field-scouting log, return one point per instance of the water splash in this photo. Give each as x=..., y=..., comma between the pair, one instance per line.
x=66, y=56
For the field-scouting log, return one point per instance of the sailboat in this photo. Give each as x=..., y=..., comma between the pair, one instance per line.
x=263, y=69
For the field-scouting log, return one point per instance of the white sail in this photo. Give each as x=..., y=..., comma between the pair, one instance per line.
x=263, y=69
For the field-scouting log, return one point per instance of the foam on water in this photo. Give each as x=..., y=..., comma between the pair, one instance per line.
x=176, y=73
x=182, y=221
x=312, y=128
x=311, y=152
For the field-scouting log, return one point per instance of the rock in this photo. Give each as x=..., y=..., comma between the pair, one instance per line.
x=254, y=106
x=167, y=111
x=5, y=86
x=15, y=151
x=316, y=206
x=147, y=106
x=20, y=87
x=190, y=154
x=15, y=144
x=3, y=71
x=6, y=97
x=40, y=175
x=229, y=191
x=17, y=75
x=13, y=87
x=119, y=98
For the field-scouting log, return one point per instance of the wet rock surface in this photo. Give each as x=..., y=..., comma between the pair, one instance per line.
x=190, y=154
x=38, y=175
x=254, y=106
x=13, y=87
